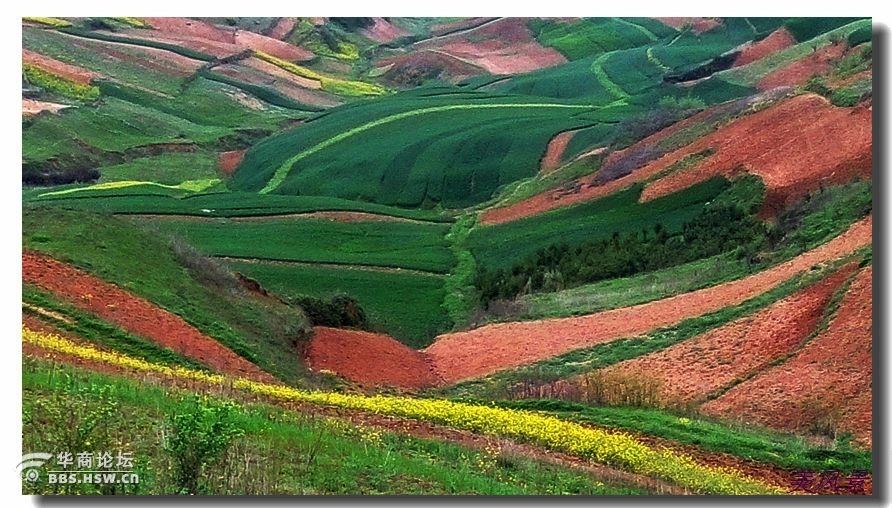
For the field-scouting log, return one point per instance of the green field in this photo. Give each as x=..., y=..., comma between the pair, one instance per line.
x=436, y=149
x=408, y=306
x=414, y=246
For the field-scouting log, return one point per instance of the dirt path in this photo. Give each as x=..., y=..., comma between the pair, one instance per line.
x=31, y=107
x=134, y=314
x=370, y=359
x=339, y=266
x=465, y=355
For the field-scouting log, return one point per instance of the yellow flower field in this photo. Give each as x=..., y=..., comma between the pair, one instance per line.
x=613, y=448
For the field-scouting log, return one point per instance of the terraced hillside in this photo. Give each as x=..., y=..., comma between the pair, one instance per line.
x=603, y=256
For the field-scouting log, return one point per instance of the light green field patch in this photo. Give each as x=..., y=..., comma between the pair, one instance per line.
x=188, y=185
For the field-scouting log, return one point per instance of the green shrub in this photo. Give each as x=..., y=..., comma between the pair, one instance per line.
x=199, y=437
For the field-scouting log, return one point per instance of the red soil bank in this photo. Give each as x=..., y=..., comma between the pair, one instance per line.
x=698, y=25
x=465, y=355
x=829, y=379
x=31, y=107
x=61, y=69
x=454, y=26
x=798, y=72
x=383, y=31
x=795, y=147
x=695, y=368
x=778, y=40
x=555, y=151
x=190, y=28
x=506, y=46
x=250, y=40
x=371, y=359
x=228, y=161
x=134, y=314
x=282, y=28
x=291, y=87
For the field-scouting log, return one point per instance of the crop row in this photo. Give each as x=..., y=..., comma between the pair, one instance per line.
x=612, y=448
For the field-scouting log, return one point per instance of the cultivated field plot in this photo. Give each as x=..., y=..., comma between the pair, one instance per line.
x=457, y=256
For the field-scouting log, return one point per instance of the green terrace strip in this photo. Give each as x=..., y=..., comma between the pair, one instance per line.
x=748, y=442
x=612, y=448
x=283, y=170
x=59, y=85
x=188, y=186
x=180, y=50
x=604, y=79
x=287, y=452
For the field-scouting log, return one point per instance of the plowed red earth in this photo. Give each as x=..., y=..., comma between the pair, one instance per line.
x=152, y=59
x=367, y=358
x=228, y=161
x=288, y=84
x=215, y=40
x=584, y=188
x=31, y=107
x=555, y=151
x=506, y=46
x=798, y=72
x=61, y=69
x=695, y=368
x=795, y=147
x=134, y=314
x=830, y=378
x=465, y=355
x=698, y=25
x=282, y=28
x=778, y=40
x=383, y=31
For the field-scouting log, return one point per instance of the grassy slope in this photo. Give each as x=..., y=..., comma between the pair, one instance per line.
x=141, y=261
x=169, y=168
x=288, y=453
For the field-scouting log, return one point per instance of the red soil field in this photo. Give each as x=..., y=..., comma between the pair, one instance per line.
x=823, y=144
x=829, y=379
x=408, y=69
x=61, y=69
x=454, y=26
x=584, y=188
x=282, y=28
x=469, y=354
x=153, y=59
x=555, y=151
x=370, y=359
x=698, y=25
x=693, y=369
x=281, y=74
x=134, y=314
x=798, y=72
x=31, y=107
x=778, y=40
x=192, y=32
x=383, y=31
x=505, y=46
x=228, y=161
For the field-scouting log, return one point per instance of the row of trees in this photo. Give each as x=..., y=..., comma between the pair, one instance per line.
x=715, y=230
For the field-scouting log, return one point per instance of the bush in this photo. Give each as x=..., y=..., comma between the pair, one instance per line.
x=198, y=437
x=816, y=84
x=338, y=312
